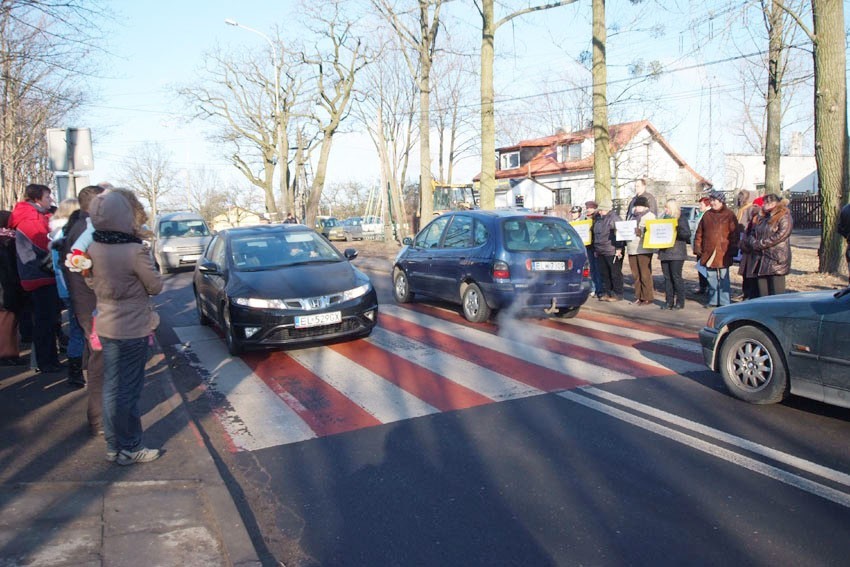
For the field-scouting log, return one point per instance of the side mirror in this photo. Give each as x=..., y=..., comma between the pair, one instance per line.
x=350, y=253
x=407, y=241
x=208, y=267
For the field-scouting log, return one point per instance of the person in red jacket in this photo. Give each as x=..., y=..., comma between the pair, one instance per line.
x=30, y=219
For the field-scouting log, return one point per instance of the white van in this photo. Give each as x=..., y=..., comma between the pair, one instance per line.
x=179, y=240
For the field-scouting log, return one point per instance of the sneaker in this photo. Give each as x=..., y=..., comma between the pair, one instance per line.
x=142, y=455
x=111, y=456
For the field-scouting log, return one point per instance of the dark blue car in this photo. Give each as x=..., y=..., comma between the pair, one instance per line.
x=488, y=260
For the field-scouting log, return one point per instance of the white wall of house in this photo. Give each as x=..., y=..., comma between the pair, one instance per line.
x=798, y=174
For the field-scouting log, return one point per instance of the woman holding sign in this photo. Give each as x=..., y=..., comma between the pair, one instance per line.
x=640, y=258
x=673, y=258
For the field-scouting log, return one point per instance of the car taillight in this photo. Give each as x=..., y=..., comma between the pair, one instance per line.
x=501, y=270
x=585, y=272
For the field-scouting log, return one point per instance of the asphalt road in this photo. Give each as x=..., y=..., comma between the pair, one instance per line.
x=589, y=441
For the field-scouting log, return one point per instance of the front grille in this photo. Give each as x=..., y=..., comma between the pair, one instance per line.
x=190, y=249
x=291, y=333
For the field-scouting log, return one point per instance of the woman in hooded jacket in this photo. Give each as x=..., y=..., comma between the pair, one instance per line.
x=123, y=279
x=768, y=244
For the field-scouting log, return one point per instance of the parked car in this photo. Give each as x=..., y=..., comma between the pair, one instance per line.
x=352, y=228
x=281, y=284
x=797, y=343
x=179, y=240
x=489, y=260
x=325, y=224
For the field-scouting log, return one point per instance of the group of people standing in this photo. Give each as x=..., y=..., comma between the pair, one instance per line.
x=110, y=316
x=758, y=237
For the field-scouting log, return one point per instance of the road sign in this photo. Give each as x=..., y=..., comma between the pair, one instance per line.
x=69, y=149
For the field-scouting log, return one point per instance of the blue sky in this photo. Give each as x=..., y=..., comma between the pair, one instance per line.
x=157, y=44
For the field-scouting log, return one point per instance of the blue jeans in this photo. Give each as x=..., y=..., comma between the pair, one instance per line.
x=76, y=340
x=718, y=286
x=124, y=376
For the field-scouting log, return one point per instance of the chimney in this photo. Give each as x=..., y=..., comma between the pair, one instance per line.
x=796, y=148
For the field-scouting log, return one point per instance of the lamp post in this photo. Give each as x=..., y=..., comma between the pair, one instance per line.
x=280, y=146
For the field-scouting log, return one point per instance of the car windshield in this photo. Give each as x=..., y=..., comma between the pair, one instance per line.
x=530, y=234
x=181, y=228
x=252, y=252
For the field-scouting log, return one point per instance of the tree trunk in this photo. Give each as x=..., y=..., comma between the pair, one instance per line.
x=487, y=185
x=831, y=142
x=774, y=101
x=602, y=141
x=426, y=192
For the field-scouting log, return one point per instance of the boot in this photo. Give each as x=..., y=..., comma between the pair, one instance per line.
x=75, y=373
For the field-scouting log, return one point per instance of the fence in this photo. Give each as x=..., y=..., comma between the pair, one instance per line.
x=806, y=211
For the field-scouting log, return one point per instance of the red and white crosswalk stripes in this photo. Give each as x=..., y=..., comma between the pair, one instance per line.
x=421, y=360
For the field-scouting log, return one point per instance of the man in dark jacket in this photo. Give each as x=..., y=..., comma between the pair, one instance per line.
x=843, y=229
x=609, y=253
x=715, y=244
x=83, y=302
x=30, y=219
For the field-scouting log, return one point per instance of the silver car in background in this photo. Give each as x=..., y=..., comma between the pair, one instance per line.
x=179, y=240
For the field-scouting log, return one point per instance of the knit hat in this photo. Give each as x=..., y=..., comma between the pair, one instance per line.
x=604, y=206
x=717, y=196
x=591, y=205
x=641, y=201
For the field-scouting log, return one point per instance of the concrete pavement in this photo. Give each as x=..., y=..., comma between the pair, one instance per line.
x=61, y=503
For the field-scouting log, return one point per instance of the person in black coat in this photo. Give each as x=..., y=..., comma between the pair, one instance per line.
x=843, y=229
x=672, y=259
x=11, y=295
x=609, y=253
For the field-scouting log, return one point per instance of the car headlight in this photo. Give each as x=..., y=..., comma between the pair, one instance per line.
x=358, y=291
x=257, y=303
x=169, y=249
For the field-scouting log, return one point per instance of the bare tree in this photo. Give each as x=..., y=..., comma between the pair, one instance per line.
x=148, y=172
x=204, y=193
x=335, y=71
x=43, y=46
x=489, y=25
x=419, y=33
x=832, y=144
x=238, y=97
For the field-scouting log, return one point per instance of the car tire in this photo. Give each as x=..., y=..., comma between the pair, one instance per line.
x=203, y=320
x=752, y=367
x=475, y=307
x=401, y=287
x=234, y=347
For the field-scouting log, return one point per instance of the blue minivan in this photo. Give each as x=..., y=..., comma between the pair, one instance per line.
x=489, y=260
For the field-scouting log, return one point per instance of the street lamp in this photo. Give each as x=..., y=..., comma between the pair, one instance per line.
x=280, y=146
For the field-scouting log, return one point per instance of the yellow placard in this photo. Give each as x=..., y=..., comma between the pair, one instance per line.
x=583, y=229
x=660, y=233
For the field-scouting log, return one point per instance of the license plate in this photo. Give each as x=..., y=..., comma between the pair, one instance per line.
x=190, y=258
x=548, y=266
x=318, y=319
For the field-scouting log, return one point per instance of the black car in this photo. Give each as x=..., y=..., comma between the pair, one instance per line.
x=487, y=260
x=281, y=284
x=793, y=343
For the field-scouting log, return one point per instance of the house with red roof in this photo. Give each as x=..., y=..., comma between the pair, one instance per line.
x=557, y=171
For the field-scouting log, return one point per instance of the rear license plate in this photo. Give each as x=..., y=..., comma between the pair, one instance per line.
x=318, y=319
x=548, y=266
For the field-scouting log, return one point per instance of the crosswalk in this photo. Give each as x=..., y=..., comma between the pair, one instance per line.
x=421, y=360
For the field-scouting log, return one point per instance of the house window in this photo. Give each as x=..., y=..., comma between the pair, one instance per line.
x=563, y=196
x=569, y=152
x=509, y=160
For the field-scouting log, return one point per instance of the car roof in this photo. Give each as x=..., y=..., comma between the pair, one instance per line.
x=261, y=229
x=505, y=214
x=182, y=215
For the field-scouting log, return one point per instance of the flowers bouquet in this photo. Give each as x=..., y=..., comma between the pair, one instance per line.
x=78, y=261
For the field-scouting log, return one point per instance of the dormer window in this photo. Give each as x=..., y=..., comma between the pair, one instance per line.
x=509, y=160
x=569, y=152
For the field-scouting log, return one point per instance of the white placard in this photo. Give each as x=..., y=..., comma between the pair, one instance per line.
x=625, y=230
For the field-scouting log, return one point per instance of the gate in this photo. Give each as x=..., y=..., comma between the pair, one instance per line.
x=806, y=211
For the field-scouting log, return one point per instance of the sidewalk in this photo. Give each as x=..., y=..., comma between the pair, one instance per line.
x=61, y=503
